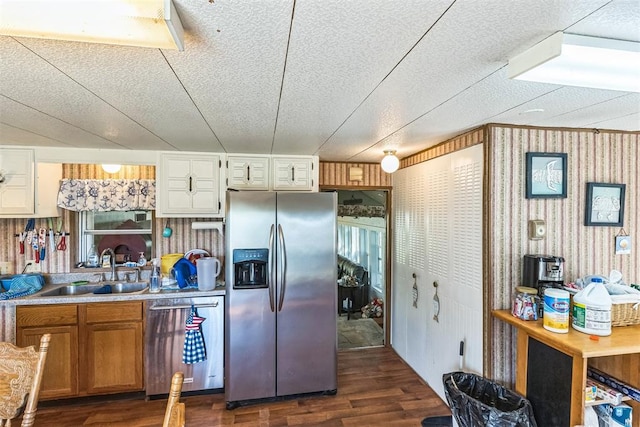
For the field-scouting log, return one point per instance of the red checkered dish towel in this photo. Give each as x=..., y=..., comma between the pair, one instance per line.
x=194, y=350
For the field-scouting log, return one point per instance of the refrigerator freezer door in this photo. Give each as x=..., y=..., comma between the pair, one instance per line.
x=306, y=319
x=250, y=324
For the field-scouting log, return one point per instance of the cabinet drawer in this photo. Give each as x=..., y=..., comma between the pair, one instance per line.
x=114, y=312
x=47, y=315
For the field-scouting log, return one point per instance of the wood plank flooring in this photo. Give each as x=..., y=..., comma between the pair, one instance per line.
x=375, y=388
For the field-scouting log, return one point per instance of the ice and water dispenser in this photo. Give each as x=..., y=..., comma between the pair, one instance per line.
x=250, y=268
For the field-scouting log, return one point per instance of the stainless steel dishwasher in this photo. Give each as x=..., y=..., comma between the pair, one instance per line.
x=164, y=344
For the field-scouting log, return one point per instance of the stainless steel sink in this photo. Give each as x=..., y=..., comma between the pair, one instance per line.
x=114, y=288
x=70, y=290
x=125, y=288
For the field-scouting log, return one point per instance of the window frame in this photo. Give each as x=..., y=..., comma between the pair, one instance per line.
x=82, y=243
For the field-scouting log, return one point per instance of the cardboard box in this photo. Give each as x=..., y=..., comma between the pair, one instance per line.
x=614, y=416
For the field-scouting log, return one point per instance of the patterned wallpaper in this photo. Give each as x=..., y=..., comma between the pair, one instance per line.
x=609, y=157
x=336, y=174
x=593, y=156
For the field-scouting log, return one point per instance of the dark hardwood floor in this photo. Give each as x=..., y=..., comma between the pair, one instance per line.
x=375, y=388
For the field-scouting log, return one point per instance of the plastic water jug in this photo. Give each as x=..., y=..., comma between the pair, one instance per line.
x=208, y=269
x=592, y=309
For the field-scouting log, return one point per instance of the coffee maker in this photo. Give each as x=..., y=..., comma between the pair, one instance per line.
x=543, y=271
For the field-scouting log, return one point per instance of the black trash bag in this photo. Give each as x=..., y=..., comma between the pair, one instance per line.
x=476, y=401
x=442, y=421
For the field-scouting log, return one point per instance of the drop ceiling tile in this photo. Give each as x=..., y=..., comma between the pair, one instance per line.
x=457, y=53
x=596, y=114
x=145, y=91
x=15, y=136
x=59, y=96
x=617, y=19
x=38, y=125
x=339, y=51
x=232, y=67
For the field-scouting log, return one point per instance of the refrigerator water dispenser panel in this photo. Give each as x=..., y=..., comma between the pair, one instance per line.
x=250, y=268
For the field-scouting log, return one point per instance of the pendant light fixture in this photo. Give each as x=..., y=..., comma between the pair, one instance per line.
x=111, y=168
x=390, y=162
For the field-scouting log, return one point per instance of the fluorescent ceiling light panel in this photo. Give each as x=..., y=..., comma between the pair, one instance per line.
x=572, y=60
x=143, y=23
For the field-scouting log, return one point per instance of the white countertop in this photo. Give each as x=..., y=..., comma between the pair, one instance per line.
x=37, y=298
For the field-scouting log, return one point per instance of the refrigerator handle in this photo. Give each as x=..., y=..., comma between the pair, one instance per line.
x=271, y=271
x=283, y=268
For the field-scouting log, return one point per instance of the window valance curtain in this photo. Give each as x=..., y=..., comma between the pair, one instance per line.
x=361, y=211
x=107, y=194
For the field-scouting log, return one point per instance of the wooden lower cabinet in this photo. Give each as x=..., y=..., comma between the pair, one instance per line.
x=95, y=348
x=60, y=376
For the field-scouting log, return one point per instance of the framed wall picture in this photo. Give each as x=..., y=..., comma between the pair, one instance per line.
x=546, y=175
x=605, y=204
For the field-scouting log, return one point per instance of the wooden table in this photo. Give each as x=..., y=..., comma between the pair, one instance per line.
x=561, y=360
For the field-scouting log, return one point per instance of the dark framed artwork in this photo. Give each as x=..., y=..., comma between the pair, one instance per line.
x=546, y=175
x=605, y=204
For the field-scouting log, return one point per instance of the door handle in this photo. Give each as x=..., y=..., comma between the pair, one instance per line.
x=271, y=271
x=181, y=307
x=283, y=266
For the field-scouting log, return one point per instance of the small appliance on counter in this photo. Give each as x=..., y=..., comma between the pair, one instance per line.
x=543, y=271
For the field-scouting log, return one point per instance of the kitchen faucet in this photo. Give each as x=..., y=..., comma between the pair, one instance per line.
x=112, y=261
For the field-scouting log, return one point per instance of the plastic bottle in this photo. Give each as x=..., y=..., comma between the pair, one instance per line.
x=592, y=309
x=142, y=261
x=92, y=257
x=154, y=279
x=556, y=310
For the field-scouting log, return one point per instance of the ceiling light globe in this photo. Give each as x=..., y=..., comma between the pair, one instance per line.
x=390, y=163
x=111, y=168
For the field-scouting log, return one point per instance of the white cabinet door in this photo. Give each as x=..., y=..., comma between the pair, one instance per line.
x=17, y=192
x=189, y=185
x=248, y=172
x=293, y=173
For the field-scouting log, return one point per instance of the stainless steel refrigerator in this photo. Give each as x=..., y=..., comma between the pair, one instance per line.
x=280, y=317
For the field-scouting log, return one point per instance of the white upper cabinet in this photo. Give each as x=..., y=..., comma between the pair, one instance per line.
x=188, y=185
x=17, y=184
x=294, y=173
x=248, y=172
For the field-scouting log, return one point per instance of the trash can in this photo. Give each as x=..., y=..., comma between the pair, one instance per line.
x=476, y=401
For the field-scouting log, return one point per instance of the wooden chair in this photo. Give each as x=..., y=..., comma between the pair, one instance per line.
x=174, y=415
x=20, y=376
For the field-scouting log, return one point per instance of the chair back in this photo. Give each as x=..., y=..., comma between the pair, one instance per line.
x=20, y=377
x=174, y=415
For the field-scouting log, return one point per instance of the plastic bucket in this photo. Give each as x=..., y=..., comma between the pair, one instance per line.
x=167, y=261
x=208, y=269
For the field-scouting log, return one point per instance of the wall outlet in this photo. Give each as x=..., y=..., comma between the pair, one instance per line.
x=32, y=266
x=6, y=267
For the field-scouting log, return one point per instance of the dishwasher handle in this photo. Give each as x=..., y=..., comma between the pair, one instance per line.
x=180, y=307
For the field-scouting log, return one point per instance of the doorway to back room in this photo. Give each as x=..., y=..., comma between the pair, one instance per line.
x=362, y=246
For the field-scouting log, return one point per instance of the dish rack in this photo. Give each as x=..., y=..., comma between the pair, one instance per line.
x=624, y=312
